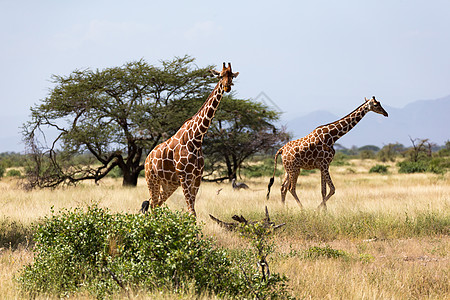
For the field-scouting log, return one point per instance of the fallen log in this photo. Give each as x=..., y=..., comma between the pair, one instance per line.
x=241, y=220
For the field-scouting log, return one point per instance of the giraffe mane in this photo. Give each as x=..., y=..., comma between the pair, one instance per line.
x=204, y=103
x=342, y=117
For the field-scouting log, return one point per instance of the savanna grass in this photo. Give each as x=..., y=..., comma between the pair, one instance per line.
x=318, y=226
x=393, y=229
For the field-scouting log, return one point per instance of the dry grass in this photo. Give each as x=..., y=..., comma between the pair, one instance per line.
x=404, y=267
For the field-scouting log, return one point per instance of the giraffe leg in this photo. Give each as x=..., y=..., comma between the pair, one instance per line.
x=284, y=188
x=194, y=190
x=292, y=189
x=189, y=192
x=166, y=191
x=154, y=189
x=326, y=179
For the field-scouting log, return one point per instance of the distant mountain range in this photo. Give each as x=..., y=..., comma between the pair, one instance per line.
x=420, y=119
x=424, y=119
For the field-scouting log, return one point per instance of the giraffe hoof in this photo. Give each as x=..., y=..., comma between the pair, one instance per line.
x=322, y=207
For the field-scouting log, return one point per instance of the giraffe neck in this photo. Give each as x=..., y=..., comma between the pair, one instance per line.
x=342, y=126
x=201, y=121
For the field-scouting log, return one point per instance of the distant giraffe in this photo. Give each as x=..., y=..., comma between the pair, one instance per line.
x=179, y=160
x=315, y=151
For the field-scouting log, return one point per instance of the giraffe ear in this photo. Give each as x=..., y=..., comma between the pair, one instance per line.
x=235, y=74
x=215, y=73
x=366, y=99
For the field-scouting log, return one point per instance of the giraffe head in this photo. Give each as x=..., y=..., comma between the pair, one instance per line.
x=226, y=76
x=375, y=106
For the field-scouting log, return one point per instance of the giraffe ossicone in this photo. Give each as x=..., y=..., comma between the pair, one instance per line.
x=315, y=151
x=179, y=161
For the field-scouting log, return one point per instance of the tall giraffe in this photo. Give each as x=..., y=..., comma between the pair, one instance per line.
x=179, y=160
x=315, y=151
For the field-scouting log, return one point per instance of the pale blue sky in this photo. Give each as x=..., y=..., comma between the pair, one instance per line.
x=305, y=55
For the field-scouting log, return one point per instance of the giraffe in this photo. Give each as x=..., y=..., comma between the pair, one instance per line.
x=315, y=151
x=179, y=160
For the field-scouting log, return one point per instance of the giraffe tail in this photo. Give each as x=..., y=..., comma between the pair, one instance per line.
x=274, y=170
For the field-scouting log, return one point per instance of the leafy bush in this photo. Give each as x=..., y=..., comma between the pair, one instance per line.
x=2, y=171
x=12, y=159
x=379, y=169
x=262, y=283
x=366, y=258
x=438, y=165
x=446, y=150
x=412, y=167
x=340, y=159
x=115, y=173
x=13, y=173
x=101, y=253
x=390, y=152
x=13, y=234
x=264, y=168
x=367, y=154
x=327, y=252
x=304, y=172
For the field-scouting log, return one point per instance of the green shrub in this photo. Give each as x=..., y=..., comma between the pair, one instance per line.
x=340, y=159
x=116, y=172
x=13, y=173
x=262, y=283
x=2, y=170
x=379, y=169
x=264, y=168
x=304, y=172
x=412, y=167
x=445, y=151
x=367, y=154
x=366, y=258
x=438, y=165
x=101, y=253
x=13, y=234
x=326, y=252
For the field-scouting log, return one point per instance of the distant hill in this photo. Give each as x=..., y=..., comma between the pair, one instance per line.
x=420, y=119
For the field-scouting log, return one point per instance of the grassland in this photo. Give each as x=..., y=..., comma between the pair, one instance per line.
x=391, y=230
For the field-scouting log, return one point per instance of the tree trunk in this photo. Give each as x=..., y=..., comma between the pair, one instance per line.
x=229, y=167
x=130, y=178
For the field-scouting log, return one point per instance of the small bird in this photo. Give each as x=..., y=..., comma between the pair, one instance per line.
x=145, y=206
x=238, y=185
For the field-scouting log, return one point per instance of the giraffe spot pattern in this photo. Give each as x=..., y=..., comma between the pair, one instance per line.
x=179, y=160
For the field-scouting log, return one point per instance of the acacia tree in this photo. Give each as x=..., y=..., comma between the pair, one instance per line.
x=241, y=129
x=116, y=114
x=420, y=148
